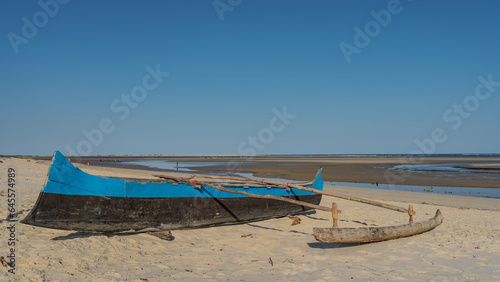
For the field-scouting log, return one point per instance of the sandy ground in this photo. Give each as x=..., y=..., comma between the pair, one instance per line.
x=465, y=247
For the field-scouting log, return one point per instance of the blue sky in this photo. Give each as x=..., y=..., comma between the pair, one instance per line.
x=226, y=75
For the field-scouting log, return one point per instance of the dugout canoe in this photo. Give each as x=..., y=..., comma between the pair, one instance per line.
x=74, y=200
x=375, y=234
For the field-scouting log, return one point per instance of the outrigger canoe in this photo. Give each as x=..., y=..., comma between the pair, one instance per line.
x=376, y=234
x=74, y=200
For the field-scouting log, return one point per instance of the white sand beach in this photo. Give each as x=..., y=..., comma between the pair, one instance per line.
x=465, y=247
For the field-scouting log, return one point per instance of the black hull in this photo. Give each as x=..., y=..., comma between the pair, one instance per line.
x=115, y=214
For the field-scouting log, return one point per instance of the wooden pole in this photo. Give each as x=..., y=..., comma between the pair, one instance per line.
x=335, y=215
x=355, y=199
x=272, y=197
x=247, y=179
x=220, y=188
x=411, y=213
x=301, y=187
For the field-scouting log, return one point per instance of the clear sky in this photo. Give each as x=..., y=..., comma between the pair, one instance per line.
x=354, y=80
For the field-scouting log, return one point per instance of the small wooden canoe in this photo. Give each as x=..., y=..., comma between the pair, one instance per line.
x=375, y=234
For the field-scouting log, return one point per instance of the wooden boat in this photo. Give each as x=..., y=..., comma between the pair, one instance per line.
x=375, y=234
x=75, y=200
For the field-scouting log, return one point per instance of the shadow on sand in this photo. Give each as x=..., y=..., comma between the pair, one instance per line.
x=322, y=245
x=77, y=235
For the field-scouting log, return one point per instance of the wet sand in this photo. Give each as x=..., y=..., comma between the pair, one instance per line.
x=366, y=171
x=482, y=166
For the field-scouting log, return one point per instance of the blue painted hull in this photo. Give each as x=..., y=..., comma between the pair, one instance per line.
x=75, y=200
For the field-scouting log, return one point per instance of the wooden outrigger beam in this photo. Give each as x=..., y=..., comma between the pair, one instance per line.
x=302, y=203
x=272, y=197
x=355, y=199
x=301, y=187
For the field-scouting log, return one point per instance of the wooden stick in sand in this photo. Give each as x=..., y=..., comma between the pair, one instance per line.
x=411, y=213
x=335, y=215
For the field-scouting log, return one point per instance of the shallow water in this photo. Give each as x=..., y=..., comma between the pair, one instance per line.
x=177, y=166
x=450, y=190
x=452, y=167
